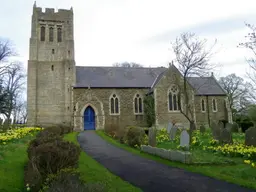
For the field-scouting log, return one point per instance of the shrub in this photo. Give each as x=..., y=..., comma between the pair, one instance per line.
x=44, y=138
x=32, y=177
x=68, y=180
x=46, y=133
x=55, y=129
x=120, y=134
x=54, y=156
x=149, y=109
x=135, y=136
x=66, y=129
x=111, y=129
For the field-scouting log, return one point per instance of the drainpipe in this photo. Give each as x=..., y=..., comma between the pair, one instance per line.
x=208, y=110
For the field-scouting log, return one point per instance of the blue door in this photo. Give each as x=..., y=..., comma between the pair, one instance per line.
x=89, y=118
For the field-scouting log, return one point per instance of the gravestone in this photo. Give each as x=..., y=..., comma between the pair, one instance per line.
x=216, y=132
x=169, y=127
x=184, y=139
x=228, y=126
x=221, y=125
x=152, y=136
x=235, y=128
x=202, y=128
x=173, y=132
x=226, y=136
x=213, y=124
x=250, y=137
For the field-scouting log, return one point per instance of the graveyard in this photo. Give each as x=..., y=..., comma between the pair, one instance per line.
x=221, y=152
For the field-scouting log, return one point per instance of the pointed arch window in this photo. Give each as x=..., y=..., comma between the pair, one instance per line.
x=138, y=104
x=214, y=105
x=174, y=99
x=114, y=105
x=42, y=33
x=203, y=105
x=59, y=34
x=51, y=34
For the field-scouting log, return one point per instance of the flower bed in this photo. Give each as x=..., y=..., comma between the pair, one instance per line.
x=14, y=134
x=203, y=142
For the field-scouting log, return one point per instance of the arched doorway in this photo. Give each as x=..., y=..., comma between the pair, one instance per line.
x=89, y=118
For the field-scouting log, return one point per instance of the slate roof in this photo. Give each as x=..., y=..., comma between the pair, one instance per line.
x=123, y=77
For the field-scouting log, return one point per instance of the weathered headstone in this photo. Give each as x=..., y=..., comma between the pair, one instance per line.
x=184, y=139
x=235, y=127
x=226, y=136
x=169, y=127
x=228, y=126
x=250, y=137
x=152, y=136
x=173, y=132
x=202, y=128
x=213, y=124
x=221, y=125
x=216, y=132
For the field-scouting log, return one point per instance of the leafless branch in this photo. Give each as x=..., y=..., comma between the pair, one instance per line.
x=193, y=59
x=127, y=64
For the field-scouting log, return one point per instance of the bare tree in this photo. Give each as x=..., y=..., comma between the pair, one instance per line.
x=250, y=44
x=6, y=51
x=193, y=60
x=20, y=110
x=238, y=92
x=14, y=83
x=127, y=64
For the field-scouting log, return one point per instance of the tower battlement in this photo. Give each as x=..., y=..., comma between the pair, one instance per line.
x=51, y=67
x=51, y=11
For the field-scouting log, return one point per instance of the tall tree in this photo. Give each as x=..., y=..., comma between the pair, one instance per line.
x=6, y=51
x=193, y=59
x=14, y=84
x=238, y=92
x=250, y=44
x=127, y=64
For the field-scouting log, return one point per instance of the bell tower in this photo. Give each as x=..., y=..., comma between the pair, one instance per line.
x=51, y=67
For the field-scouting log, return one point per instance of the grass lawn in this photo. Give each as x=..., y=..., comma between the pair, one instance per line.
x=240, y=173
x=13, y=157
x=93, y=172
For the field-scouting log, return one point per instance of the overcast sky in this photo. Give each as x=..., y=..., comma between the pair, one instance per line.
x=108, y=31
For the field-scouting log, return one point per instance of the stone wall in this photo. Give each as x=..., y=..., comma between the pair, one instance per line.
x=172, y=155
x=51, y=69
x=99, y=100
x=161, y=91
x=209, y=115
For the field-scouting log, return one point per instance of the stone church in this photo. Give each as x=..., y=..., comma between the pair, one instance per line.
x=88, y=98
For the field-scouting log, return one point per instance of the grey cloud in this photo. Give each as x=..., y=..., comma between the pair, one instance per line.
x=208, y=28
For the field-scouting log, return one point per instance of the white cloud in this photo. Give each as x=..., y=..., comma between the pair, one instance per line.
x=113, y=30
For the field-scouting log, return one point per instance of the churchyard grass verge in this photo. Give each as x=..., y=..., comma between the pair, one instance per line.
x=230, y=169
x=13, y=156
x=93, y=172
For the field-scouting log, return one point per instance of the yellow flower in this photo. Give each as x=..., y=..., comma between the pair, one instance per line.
x=247, y=161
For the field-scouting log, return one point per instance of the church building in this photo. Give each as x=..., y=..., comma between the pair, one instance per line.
x=89, y=98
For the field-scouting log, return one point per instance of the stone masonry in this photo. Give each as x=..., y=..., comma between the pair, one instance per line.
x=58, y=92
x=51, y=68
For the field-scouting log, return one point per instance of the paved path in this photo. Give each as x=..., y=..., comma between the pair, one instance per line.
x=146, y=174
